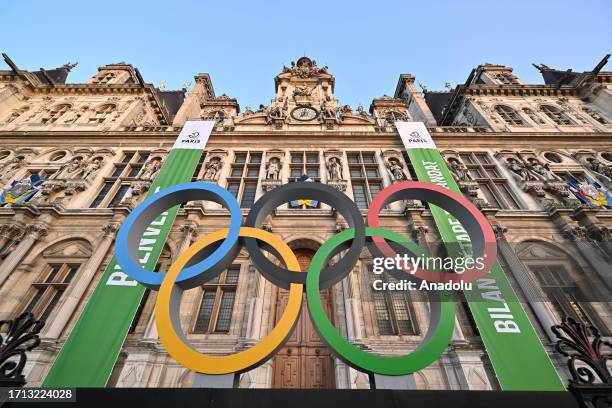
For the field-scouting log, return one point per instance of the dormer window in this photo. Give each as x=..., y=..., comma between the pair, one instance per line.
x=556, y=115
x=509, y=115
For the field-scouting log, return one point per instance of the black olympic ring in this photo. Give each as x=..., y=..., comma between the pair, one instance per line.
x=314, y=191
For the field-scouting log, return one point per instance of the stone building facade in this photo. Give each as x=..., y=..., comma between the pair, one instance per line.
x=98, y=145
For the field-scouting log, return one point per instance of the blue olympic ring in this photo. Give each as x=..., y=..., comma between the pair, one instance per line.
x=130, y=233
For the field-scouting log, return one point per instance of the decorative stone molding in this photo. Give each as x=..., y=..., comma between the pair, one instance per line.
x=269, y=185
x=36, y=231
x=110, y=228
x=339, y=185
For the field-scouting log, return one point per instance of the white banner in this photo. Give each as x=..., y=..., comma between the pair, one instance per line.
x=415, y=135
x=194, y=135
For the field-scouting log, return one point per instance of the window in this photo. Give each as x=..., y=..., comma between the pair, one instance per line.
x=492, y=185
x=56, y=113
x=509, y=115
x=102, y=113
x=556, y=115
x=563, y=293
x=305, y=163
x=365, y=177
x=596, y=115
x=116, y=186
x=244, y=176
x=217, y=304
x=49, y=289
x=393, y=308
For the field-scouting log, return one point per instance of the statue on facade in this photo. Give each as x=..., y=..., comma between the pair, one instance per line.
x=8, y=170
x=459, y=171
x=396, y=170
x=276, y=113
x=212, y=169
x=327, y=111
x=518, y=168
x=334, y=169
x=302, y=90
x=361, y=111
x=73, y=169
x=600, y=168
x=92, y=168
x=346, y=110
x=540, y=172
x=273, y=169
x=150, y=169
x=261, y=109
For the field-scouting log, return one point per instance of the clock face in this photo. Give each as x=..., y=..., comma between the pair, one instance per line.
x=304, y=113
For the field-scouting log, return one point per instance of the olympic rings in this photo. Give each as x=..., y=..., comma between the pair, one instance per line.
x=128, y=238
x=167, y=308
x=437, y=338
x=314, y=191
x=482, y=237
x=202, y=261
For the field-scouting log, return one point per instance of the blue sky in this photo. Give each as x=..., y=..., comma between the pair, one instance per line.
x=367, y=45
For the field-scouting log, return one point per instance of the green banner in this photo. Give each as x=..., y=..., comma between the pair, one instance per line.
x=512, y=344
x=90, y=352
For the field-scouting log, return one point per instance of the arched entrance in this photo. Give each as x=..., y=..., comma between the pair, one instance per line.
x=305, y=361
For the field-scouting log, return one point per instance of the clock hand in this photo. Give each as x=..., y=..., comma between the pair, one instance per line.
x=302, y=113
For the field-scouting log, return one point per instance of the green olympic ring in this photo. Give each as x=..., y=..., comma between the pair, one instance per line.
x=438, y=334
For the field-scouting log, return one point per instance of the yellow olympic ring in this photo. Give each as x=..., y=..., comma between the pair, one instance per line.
x=168, y=303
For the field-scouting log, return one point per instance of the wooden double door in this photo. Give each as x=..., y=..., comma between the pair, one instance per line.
x=305, y=361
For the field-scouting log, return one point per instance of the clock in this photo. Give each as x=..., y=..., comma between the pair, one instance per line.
x=304, y=113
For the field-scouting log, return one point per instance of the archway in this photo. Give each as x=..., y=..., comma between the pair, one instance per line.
x=305, y=361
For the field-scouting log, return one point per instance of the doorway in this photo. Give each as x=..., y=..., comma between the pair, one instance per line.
x=305, y=361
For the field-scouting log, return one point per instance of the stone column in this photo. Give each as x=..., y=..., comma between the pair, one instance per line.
x=33, y=232
x=534, y=296
x=188, y=229
x=70, y=300
x=10, y=233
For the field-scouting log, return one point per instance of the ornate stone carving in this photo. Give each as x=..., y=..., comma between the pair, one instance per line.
x=110, y=228
x=537, y=171
x=458, y=170
x=36, y=230
x=213, y=167
x=396, y=170
x=273, y=169
x=270, y=184
x=334, y=169
x=150, y=169
x=10, y=168
x=518, y=169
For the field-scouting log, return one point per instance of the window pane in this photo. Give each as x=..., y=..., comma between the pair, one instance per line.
x=505, y=192
x=225, y=311
x=255, y=158
x=401, y=310
x=34, y=301
x=489, y=196
x=252, y=172
x=56, y=297
x=296, y=172
x=248, y=195
x=143, y=157
x=312, y=172
x=231, y=276
x=240, y=158
x=467, y=158
x=372, y=173
x=71, y=272
x=102, y=194
x=233, y=188
x=375, y=189
x=134, y=170
x=119, y=196
x=359, y=191
x=205, y=312
x=128, y=156
x=54, y=270
x=368, y=158
x=483, y=158
x=356, y=172
x=297, y=158
x=236, y=172
x=118, y=170
x=312, y=158
x=353, y=158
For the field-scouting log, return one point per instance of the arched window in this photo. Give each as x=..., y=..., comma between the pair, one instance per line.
x=563, y=283
x=509, y=115
x=556, y=115
x=102, y=113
